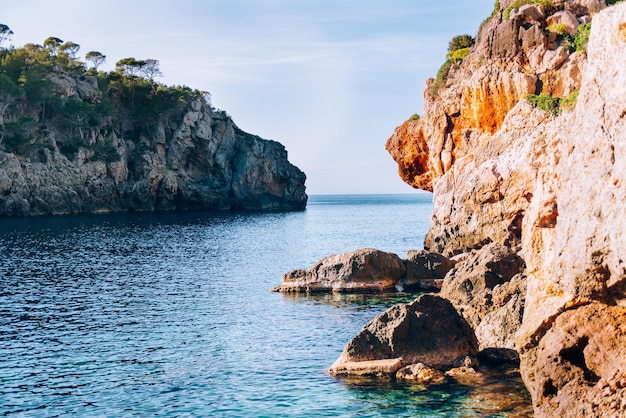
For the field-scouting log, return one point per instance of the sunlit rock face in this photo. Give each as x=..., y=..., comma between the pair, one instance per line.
x=577, y=265
x=469, y=122
x=550, y=187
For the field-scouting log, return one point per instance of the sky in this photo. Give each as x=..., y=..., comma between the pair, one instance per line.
x=329, y=79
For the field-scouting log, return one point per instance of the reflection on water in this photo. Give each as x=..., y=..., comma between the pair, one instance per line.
x=364, y=300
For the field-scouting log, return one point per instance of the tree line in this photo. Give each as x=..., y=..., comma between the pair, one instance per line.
x=30, y=103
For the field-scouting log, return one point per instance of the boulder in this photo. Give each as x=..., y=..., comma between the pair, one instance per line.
x=425, y=270
x=466, y=361
x=593, y=6
x=364, y=270
x=498, y=327
x=429, y=330
x=422, y=374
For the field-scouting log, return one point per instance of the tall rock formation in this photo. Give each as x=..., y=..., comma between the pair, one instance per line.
x=548, y=184
x=114, y=143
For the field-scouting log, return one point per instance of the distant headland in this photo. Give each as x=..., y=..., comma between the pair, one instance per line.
x=74, y=139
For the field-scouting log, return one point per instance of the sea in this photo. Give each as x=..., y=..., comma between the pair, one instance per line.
x=171, y=315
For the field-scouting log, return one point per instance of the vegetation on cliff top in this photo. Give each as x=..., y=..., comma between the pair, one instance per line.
x=49, y=100
x=458, y=48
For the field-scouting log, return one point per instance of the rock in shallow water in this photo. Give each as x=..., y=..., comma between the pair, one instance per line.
x=364, y=270
x=369, y=270
x=371, y=368
x=428, y=330
x=422, y=374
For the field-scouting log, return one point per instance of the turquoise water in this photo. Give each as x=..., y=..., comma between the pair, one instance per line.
x=171, y=314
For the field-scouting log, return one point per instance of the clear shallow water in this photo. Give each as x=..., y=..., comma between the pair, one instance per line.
x=171, y=314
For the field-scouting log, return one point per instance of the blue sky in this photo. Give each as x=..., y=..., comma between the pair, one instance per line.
x=330, y=79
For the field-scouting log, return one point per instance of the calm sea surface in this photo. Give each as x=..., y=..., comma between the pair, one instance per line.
x=171, y=315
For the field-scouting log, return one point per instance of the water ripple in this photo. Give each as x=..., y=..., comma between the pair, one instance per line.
x=170, y=314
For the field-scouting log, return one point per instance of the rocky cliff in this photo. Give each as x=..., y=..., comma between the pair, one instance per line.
x=523, y=145
x=77, y=141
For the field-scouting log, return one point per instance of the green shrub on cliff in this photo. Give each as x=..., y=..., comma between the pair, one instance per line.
x=458, y=48
x=441, y=79
x=458, y=55
x=551, y=104
x=69, y=147
x=569, y=103
x=16, y=135
x=460, y=42
x=545, y=102
x=557, y=28
x=106, y=152
x=579, y=41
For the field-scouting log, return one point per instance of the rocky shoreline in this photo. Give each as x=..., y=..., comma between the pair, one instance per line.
x=522, y=144
x=475, y=311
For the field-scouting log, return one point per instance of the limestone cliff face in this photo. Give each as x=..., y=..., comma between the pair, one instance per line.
x=551, y=187
x=465, y=120
x=189, y=157
x=573, y=338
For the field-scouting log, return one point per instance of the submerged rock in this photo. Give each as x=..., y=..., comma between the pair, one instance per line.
x=467, y=375
x=429, y=330
x=364, y=270
x=369, y=368
x=422, y=374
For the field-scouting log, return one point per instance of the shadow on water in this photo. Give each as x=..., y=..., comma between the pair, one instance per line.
x=353, y=300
